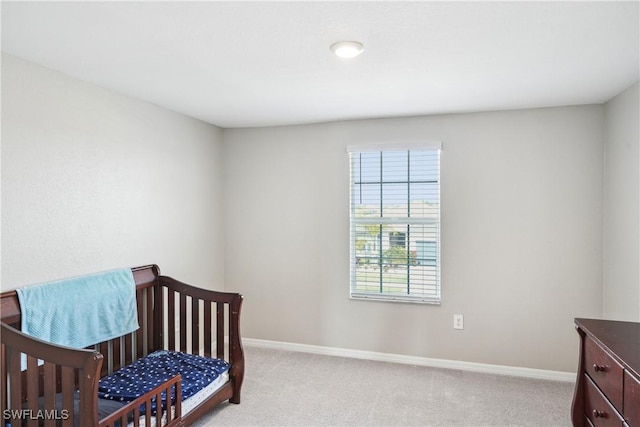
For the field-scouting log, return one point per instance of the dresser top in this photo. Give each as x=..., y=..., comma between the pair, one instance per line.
x=621, y=338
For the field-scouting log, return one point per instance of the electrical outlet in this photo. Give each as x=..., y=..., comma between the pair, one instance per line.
x=458, y=321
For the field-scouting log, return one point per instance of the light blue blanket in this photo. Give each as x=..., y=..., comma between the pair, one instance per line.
x=80, y=311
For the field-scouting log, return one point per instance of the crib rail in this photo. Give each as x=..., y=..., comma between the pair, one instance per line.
x=139, y=411
x=64, y=370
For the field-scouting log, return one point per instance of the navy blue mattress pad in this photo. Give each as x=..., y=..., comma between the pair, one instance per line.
x=143, y=375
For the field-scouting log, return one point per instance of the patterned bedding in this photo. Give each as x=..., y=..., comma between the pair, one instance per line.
x=141, y=376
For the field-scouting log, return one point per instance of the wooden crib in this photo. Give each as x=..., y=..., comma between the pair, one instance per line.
x=172, y=316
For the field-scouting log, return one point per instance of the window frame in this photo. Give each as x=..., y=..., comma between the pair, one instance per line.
x=433, y=223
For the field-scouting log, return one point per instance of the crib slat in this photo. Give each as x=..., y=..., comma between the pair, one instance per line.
x=158, y=318
x=13, y=361
x=220, y=330
x=183, y=322
x=114, y=354
x=128, y=349
x=147, y=412
x=195, y=326
x=68, y=376
x=139, y=299
x=158, y=399
x=32, y=388
x=149, y=324
x=171, y=394
x=122, y=355
x=49, y=390
x=140, y=331
x=178, y=389
x=207, y=329
x=171, y=321
x=110, y=356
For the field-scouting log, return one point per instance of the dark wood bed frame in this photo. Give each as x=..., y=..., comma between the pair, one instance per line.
x=172, y=316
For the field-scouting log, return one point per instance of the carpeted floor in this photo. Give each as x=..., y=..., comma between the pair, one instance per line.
x=283, y=388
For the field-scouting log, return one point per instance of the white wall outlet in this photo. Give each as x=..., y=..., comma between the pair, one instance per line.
x=458, y=321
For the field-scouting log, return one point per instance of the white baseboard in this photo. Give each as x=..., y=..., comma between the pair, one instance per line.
x=415, y=360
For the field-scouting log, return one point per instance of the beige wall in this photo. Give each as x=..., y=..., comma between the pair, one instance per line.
x=92, y=180
x=621, y=284
x=521, y=236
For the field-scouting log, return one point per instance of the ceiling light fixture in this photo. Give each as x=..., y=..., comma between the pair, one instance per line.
x=347, y=49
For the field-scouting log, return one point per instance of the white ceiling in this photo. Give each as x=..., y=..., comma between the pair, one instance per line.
x=245, y=64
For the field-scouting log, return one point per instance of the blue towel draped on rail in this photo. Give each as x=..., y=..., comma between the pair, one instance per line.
x=81, y=311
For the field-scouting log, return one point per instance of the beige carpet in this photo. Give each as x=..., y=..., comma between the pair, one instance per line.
x=283, y=388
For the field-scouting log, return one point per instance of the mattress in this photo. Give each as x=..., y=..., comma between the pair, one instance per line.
x=143, y=375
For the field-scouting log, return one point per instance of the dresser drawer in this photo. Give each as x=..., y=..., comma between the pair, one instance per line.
x=606, y=372
x=597, y=408
x=631, y=399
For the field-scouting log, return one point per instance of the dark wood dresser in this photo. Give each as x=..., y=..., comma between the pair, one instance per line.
x=607, y=389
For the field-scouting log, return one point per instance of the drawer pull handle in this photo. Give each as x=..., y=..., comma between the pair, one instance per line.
x=599, y=368
x=599, y=414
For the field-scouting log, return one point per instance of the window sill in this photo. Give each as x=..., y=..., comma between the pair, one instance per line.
x=395, y=298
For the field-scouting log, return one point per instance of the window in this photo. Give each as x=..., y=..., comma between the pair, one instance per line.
x=395, y=222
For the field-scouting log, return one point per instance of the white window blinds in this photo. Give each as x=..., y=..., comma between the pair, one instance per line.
x=395, y=222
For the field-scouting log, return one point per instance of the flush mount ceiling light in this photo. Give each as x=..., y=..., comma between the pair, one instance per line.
x=347, y=49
